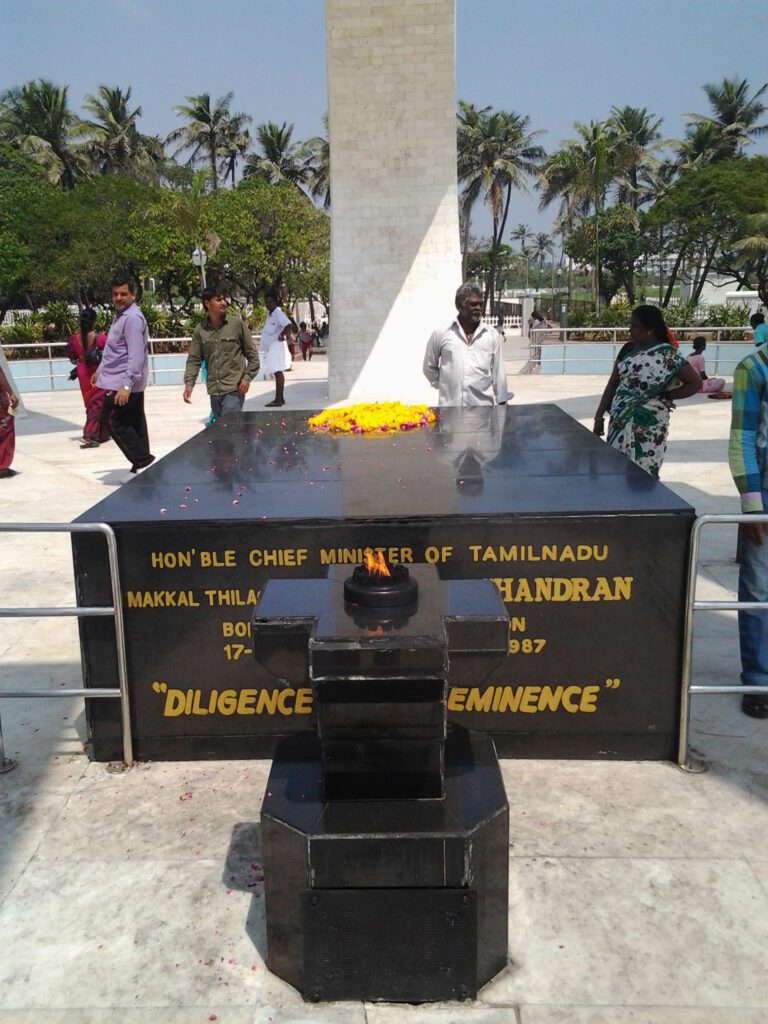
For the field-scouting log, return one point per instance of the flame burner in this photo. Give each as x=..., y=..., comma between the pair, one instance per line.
x=375, y=590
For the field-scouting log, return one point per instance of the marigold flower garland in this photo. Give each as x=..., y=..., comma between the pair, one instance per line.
x=373, y=418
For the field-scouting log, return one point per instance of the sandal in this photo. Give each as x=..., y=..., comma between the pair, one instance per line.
x=89, y=444
x=755, y=707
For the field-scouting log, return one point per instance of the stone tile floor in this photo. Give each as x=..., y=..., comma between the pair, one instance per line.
x=638, y=893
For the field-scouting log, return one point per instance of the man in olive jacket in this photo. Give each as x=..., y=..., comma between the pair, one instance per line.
x=231, y=358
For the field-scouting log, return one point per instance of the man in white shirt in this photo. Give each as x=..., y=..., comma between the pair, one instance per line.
x=464, y=361
x=274, y=352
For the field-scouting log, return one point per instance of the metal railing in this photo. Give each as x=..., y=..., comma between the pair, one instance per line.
x=52, y=351
x=115, y=610
x=719, y=360
x=691, y=606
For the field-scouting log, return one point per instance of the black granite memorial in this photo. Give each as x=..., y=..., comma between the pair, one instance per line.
x=384, y=835
x=586, y=550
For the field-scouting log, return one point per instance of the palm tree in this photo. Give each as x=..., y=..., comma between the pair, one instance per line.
x=495, y=154
x=236, y=144
x=541, y=247
x=581, y=174
x=36, y=119
x=733, y=123
x=209, y=132
x=114, y=143
x=522, y=234
x=705, y=142
x=468, y=132
x=636, y=137
x=318, y=151
x=280, y=158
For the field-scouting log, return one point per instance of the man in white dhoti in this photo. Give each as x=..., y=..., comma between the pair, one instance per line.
x=275, y=357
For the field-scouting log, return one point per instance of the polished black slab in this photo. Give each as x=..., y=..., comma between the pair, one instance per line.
x=506, y=460
x=588, y=553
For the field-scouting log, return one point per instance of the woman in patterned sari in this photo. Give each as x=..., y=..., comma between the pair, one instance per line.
x=8, y=403
x=649, y=376
x=85, y=350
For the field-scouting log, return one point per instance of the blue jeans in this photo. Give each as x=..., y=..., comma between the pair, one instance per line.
x=753, y=626
x=231, y=402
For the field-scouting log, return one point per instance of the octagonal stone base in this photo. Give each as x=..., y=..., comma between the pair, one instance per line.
x=396, y=900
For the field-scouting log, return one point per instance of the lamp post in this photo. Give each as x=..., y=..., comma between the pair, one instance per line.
x=200, y=258
x=563, y=306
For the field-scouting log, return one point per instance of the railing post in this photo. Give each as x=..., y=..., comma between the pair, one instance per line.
x=7, y=764
x=685, y=681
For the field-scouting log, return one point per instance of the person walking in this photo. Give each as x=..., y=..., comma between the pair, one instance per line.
x=123, y=374
x=85, y=350
x=748, y=462
x=275, y=357
x=648, y=377
x=224, y=343
x=8, y=403
x=306, y=342
x=464, y=360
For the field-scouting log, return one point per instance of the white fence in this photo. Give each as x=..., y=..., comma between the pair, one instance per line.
x=507, y=322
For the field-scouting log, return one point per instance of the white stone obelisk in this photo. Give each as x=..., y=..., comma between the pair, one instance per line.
x=395, y=256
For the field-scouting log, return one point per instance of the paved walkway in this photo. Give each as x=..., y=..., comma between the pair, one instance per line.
x=638, y=893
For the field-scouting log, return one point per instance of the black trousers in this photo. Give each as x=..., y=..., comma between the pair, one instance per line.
x=127, y=426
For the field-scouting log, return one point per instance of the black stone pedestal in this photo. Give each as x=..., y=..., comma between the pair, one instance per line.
x=384, y=834
x=396, y=900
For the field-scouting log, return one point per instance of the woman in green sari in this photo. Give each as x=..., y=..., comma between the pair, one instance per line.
x=649, y=376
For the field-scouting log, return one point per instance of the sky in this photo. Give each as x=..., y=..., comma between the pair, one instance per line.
x=556, y=61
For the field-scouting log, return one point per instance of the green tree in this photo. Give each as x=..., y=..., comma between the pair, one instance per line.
x=113, y=140
x=272, y=236
x=318, y=151
x=621, y=246
x=280, y=158
x=522, y=234
x=635, y=141
x=496, y=154
x=236, y=144
x=581, y=174
x=541, y=247
x=754, y=248
x=91, y=230
x=704, y=213
x=468, y=131
x=171, y=227
x=36, y=118
x=207, y=135
x=732, y=125
x=24, y=198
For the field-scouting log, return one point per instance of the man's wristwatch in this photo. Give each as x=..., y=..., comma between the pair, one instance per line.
x=125, y=387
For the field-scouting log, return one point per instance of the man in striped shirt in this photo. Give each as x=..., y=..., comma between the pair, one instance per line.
x=748, y=461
